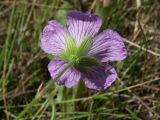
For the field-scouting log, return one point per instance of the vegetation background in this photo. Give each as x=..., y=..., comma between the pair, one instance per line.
x=23, y=66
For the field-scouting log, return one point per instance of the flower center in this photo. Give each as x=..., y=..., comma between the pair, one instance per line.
x=74, y=59
x=77, y=54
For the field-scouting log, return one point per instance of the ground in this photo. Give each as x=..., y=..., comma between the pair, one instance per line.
x=23, y=65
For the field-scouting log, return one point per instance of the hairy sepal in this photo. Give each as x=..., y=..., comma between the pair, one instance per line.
x=70, y=45
x=86, y=62
x=83, y=47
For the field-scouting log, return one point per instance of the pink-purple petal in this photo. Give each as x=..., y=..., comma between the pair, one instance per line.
x=99, y=78
x=108, y=46
x=69, y=78
x=52, y=40
x=81, y=25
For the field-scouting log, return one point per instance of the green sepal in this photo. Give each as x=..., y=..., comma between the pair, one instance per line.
x=88, y=62
x=81, y=69
x=70, y=48
x=63, y=55
x=76, y=54
x=84, y=46
x=70, y=45
x=50, y=57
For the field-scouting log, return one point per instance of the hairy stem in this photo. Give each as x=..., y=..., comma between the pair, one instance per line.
x=47, y=89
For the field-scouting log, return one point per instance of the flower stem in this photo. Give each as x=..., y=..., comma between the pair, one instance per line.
x=47, y=89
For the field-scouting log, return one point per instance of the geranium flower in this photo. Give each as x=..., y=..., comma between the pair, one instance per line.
x=88, y=52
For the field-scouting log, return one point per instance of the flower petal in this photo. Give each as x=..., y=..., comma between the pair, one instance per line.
x=108, y=46
x=52, y=40
x=69, y=78
x=81, y=25
x=100, y=78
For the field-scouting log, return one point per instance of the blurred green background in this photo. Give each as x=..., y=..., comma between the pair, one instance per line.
x=23, y=66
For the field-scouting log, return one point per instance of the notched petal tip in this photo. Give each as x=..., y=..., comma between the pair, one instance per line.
x=100, y=78
x=108, y=46
x=114, y=35
x=52, y=26
x=78, y=15
x=52, y=38
x=81, y=25
x=69, y=78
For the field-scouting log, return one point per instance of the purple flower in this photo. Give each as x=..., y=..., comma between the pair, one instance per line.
x=88, y=53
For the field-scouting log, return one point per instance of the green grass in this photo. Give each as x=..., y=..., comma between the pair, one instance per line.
x=23, y=66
